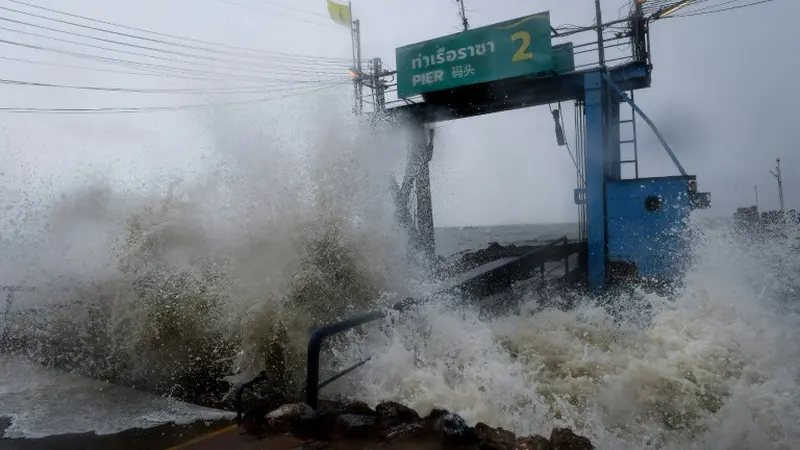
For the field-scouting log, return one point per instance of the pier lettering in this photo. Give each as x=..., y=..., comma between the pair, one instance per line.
x=428, y=78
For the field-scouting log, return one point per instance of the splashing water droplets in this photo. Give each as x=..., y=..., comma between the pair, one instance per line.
x=715, y=367
x=288, y=224
x=173, y=285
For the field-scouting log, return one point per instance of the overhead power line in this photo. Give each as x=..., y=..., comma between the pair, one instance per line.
x=144, y=109
x=153, y=67
x=160, y=74
x=172, y=36
x=239, y=68
x=161, y=41
x=255, y=63
x=224, y=91
x=694, y=9
x=292, y=8
x=254, y=8
x=675, y=8
x=707, y=11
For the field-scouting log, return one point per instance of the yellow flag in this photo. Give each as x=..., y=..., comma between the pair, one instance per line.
x=339, y=13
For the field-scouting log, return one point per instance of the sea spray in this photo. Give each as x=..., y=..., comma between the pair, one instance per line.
x=712, y=367
x=175, y=287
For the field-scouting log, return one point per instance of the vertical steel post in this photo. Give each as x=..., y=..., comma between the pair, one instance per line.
x=357, y=31
x=464, y=21
x=378, y=88
x=755, y=188
x=595, y=171
x=356, y=76
x=635, y=140
x=424, y=149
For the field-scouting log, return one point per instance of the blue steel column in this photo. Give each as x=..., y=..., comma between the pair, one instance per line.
x=596, y=164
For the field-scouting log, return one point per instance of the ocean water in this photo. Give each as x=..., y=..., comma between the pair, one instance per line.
x=452, y=240
x=290, y=226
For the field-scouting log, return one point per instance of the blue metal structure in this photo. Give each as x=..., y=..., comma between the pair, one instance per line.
x=646, y=224
x=638, y=222
x=622, y=226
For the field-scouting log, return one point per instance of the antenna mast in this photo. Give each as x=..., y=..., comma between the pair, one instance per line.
x=463, y=15
x=600, y=45
x=777, y=175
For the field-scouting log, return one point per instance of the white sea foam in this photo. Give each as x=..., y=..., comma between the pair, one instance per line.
x=717, y=367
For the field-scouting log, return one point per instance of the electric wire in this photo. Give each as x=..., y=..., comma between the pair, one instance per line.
x=142, y=109
x=165, y=69
x=176, y=37
x=94, y=69
x=174, y=60
x=254, y=8
x=695, y=8
x=204, y=77
x=161, y=50
x=719, y=10
x=225, y=91
x=705, y=8
x=292, y=8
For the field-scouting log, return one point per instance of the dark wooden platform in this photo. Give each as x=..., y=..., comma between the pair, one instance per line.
x=502, y=273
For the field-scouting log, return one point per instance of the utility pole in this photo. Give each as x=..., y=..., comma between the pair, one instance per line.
x=777, y=175
x=600, y=45
x=354, y=73
x=639, y=34
x=378, y=88
x=756, y=189
x=359, y=78
x=463, y=15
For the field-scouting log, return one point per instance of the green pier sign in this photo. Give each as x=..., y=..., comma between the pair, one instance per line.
x=504, y=50
x=563, y=58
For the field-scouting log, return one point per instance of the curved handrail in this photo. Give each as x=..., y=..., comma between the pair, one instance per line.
x=319, y=335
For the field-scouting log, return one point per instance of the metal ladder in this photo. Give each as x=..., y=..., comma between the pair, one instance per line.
x=632, y=140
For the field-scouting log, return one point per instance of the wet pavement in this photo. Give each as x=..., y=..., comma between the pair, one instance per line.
x=155, y=438
x=201, y=436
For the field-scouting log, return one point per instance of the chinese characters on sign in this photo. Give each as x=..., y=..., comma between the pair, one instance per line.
x=504, y=50
x=463, y=71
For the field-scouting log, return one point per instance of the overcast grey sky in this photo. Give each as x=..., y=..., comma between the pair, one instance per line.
x=721, y=94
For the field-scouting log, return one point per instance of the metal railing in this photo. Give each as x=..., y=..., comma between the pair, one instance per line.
x=562, y=263
x=319, y=336
x=563, y=241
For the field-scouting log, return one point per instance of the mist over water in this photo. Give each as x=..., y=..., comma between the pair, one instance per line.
x=288, y=224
